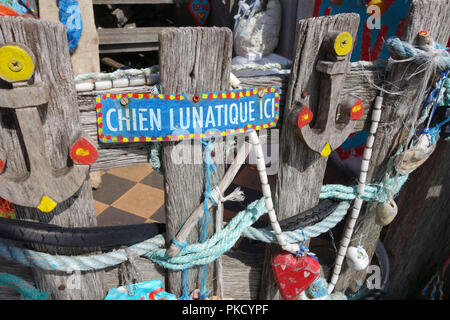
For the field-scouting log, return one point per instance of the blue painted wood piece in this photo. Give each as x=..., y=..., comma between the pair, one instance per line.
x=145, y=117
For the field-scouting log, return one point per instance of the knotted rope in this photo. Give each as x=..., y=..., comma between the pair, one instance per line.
x=436, y=54
x=190, y=256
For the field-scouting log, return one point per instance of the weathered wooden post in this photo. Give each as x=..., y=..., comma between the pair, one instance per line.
x=399, y=113
x=302, y=167
x=193, y=60
x=37, y=140
x=418, y=240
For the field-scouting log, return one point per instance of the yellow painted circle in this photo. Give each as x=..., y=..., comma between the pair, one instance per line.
x=15, y=64
x=343, y=43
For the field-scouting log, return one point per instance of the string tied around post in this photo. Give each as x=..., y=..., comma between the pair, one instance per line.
x=128, y=273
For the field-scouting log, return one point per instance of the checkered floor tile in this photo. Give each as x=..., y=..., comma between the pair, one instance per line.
x=130, y=195
x=135, y=194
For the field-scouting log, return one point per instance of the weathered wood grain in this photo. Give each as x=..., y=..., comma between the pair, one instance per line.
x=402, y=111
x=192, y=60
x=228, y=178
x=301, y=171
x=418, y=240
x=61, y=123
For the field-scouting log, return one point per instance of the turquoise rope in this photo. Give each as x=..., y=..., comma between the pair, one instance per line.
x=203, y=253
x=193, y=255
x=209, y=168
x=26, y=290
x=405, y=50
x=154, y=156
x=185, y=295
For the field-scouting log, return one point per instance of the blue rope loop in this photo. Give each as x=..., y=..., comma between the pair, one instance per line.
x=210, y=167
x=70, y=16
x=303, y=250
x=185, y=295
x=433, y=133
x=178, y=244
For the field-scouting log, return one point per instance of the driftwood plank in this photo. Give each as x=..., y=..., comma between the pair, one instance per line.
x=302, y=170
x=402, y=111
x=61, y=124
x=192, y=60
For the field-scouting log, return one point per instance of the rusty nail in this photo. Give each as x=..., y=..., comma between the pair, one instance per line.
x=124, y=101
x=14, y=65
x=196, y=98
x=261, y=92
x=61, y=287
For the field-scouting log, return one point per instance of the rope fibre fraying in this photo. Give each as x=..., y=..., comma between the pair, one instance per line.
x=436, y=55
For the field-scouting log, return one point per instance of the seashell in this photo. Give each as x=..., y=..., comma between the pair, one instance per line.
x=386, y=212
x=416, y=156
x=357, y=258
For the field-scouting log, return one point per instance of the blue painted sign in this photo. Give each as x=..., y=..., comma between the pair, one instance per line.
x=146, y=117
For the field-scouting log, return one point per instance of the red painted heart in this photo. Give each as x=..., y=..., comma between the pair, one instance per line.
x=83, y=152
x=294, y=274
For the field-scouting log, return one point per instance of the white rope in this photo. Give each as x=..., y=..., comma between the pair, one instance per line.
x=351, y=221
x=261, y=166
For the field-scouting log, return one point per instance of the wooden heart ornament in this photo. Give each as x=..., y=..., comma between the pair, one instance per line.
x=294, y=274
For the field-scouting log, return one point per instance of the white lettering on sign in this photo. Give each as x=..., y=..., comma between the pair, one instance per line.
x=144, y=119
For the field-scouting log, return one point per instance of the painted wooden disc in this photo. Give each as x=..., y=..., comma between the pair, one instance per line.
x=83, y=152
x=343, y=43
x=16, y=63
x=294, y=274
